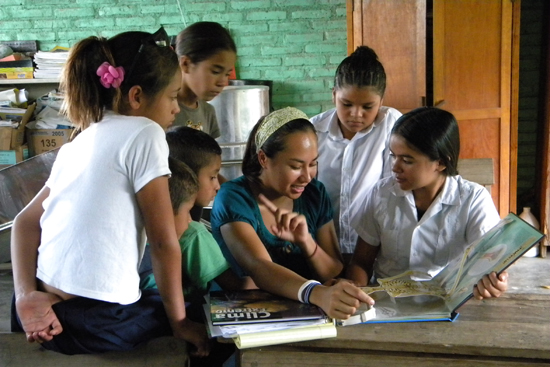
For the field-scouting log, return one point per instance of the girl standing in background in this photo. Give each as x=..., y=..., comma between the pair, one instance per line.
x=353, y=139
x=207, y=56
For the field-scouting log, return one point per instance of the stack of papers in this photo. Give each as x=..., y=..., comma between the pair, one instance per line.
x=256, y=318
x=13, y=98
x=50, y=63
x=12, y=114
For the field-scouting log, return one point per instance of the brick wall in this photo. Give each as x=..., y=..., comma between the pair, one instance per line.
x=295, y=43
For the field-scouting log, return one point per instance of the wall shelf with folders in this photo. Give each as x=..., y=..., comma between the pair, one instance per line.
x=35, y=87
x=28, y=81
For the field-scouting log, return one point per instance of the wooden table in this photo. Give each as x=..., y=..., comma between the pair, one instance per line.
x=510, y=331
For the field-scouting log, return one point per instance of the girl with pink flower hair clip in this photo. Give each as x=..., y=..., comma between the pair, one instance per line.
x=109, y=75
x=77, y=247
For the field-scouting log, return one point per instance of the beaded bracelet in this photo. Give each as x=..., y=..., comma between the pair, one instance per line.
x=301, y=290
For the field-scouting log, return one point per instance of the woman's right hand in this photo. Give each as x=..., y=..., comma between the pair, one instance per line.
x=38, y=319
x=195, y=334
x=339, y=300
x=290, y=226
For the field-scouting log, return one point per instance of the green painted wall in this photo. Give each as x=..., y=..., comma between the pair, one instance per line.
x=295, y=43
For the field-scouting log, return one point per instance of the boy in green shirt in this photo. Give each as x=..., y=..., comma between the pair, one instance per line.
x=202, y=259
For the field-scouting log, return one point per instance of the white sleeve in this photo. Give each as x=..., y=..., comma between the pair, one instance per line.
x=483, y=215
x=147, y=156
x=364, y=222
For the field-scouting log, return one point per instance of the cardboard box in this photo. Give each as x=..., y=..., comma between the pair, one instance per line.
x=5, y=137
x=11, y=157
x=17, y=135
x=44, y=140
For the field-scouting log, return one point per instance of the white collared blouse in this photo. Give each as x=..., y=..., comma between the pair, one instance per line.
x=350, y=168
x=461, y=213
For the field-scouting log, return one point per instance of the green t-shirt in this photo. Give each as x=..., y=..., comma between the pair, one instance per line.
x=202, y=262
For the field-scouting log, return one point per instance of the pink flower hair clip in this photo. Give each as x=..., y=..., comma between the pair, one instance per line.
x=109, y=76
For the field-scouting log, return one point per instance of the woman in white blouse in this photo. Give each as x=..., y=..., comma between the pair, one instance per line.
x=425, y=215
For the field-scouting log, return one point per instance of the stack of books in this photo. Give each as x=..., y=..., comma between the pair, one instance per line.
x=17, y=62
x=254, y=318
x=49, y=64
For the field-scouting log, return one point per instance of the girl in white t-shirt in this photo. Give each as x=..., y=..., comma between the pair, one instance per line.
x=353, y=139
x=77, y=246
x=426, y=215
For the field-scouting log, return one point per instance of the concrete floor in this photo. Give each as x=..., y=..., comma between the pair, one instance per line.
x=527, y=275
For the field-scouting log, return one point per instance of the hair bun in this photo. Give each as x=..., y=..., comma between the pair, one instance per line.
x=365, y=52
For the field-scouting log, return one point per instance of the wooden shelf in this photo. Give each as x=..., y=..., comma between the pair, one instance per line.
x=29, y=81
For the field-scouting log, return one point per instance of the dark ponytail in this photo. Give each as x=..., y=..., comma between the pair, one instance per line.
x=86, y=98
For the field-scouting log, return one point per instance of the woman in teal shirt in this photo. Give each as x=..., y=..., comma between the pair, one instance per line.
x=275, y=222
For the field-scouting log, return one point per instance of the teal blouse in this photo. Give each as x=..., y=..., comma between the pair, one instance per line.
x=236, y=203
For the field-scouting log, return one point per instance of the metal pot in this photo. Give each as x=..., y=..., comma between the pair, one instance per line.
x=238, y=109
x=268, y=83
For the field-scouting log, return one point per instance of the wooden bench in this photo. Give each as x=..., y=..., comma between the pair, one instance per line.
x=161, y=352
x=479, y=170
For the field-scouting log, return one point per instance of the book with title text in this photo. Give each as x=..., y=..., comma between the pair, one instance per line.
x=254, y=318
x=256, y=306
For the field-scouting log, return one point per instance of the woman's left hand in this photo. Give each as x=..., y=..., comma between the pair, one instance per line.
x=491, y=285
x=290, y=226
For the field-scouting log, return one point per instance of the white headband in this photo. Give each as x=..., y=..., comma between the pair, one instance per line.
x=274, y=121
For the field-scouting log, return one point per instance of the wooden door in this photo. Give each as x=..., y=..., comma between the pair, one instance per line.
x=543, y=177
x=472, y=60
x=396, y=31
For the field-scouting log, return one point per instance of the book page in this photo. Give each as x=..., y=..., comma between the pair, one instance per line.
x=403, y=285
x=412, y=308
x=495, y=251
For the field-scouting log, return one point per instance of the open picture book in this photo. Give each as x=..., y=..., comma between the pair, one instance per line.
x=403, y=299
